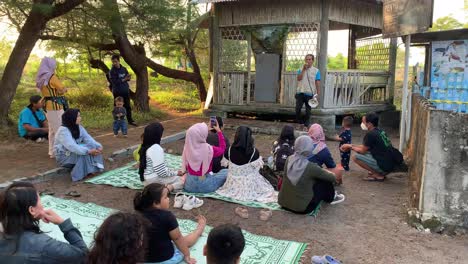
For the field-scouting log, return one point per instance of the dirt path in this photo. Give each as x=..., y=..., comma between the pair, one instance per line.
x=369, y=227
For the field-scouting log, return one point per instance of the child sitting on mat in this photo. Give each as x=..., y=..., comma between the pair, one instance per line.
x=224, y=245
x=165, y=241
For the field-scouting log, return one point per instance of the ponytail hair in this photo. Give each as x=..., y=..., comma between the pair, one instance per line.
x=150, y=195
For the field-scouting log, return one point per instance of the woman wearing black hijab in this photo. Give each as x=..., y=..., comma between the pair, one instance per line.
x=242, y=150
x=152, y=164
x=244, y=181
x=75, y=148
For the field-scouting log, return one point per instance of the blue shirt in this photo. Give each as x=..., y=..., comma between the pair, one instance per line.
x=26, y=117
x=346, y=136
x=323, y=157
x=317, y=78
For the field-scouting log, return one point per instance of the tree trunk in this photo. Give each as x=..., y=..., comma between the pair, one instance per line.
x=142, y=81
x=196, y=70
x=27, y=38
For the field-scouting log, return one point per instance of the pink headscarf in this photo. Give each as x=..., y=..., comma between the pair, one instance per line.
x=197, y=153
x=46, y=70
x=318, y=137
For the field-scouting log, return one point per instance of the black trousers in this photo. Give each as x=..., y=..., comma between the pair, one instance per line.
x=36, y=135
x=302, y=99
x=323, y=191
x=128, y=107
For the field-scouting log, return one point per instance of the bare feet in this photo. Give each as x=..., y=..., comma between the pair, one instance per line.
x=242, y=212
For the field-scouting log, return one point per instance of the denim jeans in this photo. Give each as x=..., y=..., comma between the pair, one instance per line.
x=120, y=125
x=205, y=184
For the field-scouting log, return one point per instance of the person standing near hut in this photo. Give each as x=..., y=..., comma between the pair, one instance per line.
x=308, y=86
x=52, y=91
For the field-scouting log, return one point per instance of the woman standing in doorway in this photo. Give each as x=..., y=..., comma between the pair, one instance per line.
x=52, y=91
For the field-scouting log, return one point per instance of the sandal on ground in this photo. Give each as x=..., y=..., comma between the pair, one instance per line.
x=46, y=192
x=327, y=259
x=191, y=202
x=373, y=179
x=265, y=214
x=179, y=200
x=73, y=194
x=242, y=212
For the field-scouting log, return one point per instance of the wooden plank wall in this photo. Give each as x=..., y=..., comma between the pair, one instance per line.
x=289, y=89
x=266, y=12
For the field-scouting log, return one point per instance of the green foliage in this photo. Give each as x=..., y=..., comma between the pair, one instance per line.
x=446, y=23
x=339, y=62
x=177, y=99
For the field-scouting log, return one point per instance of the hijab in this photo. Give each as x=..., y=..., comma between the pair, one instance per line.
x=297, y=163
x=318, y=137
x=287, y=135
x=46, y=70
x=69, y=121
x=152, y=135
x=197, y=153
x=243, y=141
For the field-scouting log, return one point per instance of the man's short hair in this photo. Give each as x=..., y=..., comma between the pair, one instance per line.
x=348, y=120
x=115, y=57
x=119, y=99
x=34, y=99
x=372, y=118
x=225, y=244
x=311, y=55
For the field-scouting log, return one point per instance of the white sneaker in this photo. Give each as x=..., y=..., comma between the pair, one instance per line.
x=179, y=200
x=191, y=202
x=339, y=198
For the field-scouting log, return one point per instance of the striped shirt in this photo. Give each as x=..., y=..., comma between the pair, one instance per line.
x=155, y=164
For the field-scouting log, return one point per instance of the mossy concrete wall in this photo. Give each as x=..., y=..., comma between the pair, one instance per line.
x=438, y=152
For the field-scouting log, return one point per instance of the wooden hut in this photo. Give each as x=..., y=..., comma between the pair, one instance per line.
x=257, y=46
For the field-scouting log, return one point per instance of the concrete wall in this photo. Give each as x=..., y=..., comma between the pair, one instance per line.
x=439, y=163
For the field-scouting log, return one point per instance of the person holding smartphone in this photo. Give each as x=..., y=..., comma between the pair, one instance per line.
x=213, y=140
x=197, y=159
x=308, y=87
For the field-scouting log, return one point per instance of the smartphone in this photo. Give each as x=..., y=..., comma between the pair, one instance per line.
x=213, y=121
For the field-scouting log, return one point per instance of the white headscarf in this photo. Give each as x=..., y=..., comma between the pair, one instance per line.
x=297, y=163
x=46, y=70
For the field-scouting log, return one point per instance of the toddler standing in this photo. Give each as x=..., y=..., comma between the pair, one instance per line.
x=119, y=114
x=345, y=138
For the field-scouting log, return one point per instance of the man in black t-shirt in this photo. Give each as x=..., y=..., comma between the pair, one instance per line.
x=376, y=155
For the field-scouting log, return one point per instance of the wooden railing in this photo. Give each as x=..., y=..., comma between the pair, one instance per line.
x=230, y=88
x=288, y=89
x=355, y=88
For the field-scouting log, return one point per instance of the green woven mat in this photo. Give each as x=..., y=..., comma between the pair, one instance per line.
x=128, y=177
x=88, y=217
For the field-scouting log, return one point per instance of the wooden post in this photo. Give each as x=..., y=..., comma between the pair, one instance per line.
x=427, y=65
x=323, y=49
x=249, y=54
x=392, y=69
x=352, y=48
x=215, y=55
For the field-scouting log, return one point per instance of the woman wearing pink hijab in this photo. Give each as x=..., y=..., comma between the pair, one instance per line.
x=197, y=160
x=320, y=153
x=52, y=91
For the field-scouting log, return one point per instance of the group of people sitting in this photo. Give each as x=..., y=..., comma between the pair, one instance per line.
x=149, y=235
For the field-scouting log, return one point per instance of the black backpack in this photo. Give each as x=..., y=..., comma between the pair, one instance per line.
x=281, y=155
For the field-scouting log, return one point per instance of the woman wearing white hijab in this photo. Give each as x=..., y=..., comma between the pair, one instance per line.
x=306, y=184
x=52, y=91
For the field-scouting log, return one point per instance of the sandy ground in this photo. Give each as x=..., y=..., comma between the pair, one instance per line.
x=369, y=227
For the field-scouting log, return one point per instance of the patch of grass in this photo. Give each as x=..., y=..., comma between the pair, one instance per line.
x=102, y=117
x=177, y=99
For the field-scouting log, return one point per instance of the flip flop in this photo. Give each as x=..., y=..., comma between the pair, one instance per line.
x=373, y=179
x=265, y=214
x=73, y=194
x=242, y=212
x=46, y=192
